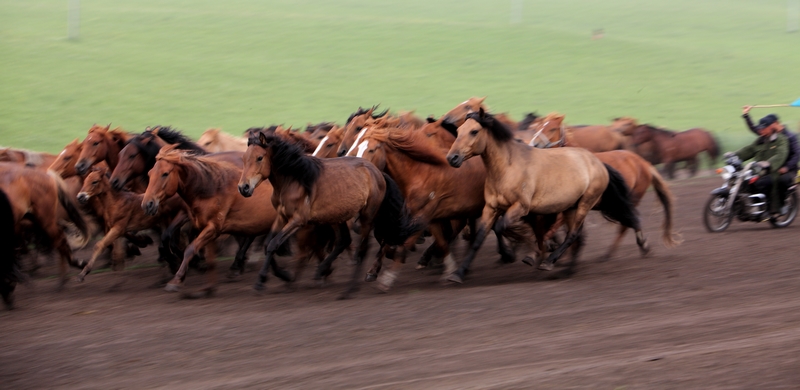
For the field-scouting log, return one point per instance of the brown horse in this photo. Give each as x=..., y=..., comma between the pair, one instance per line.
x=121, y=212
x=208, y=187
x=354, y=126
x=101, y=144
x=29, y=158
x=457, y=115
x=673, y=147
x=324, y=192
x=216, y=141
x=37, y=200
x=437, y=195
x=522, y=182
x=328, y=146
x=64, y=164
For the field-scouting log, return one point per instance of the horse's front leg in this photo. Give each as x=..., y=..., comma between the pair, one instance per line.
x=343, y=240
x=209, y=233
x=488, y=217
x=283, y=233
x=113, y=233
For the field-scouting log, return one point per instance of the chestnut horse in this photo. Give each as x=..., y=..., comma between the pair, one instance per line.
x=332, y=192
x=437, y=195
x=215, y=141
x=673, y=147
x=522, y=182
x=121, y=212
x=354, y=126
x=64, y=164
x=29, y=158
x=328, y=146
x=101, y=144
x=39, y=198
x=208, y=187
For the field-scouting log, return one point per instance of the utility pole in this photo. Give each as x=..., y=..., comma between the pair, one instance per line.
x=74, y=19
x=516, y=11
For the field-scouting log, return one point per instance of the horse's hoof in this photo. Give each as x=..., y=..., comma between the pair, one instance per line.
x=529, y=261
x=258, y=286
x=420, y=266
x=370, y=277
x=546, y=266
x=79, y=278
x=172, y=287
x=506, y=260
x=384, y=288
x=234, y=275
x=644, y=250
x=455, y=278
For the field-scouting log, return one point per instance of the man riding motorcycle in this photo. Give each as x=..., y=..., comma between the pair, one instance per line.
x=771, y=150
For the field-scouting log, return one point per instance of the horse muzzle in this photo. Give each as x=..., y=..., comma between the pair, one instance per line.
x=246, y=190
x=117, y=184
x=82, y=167
x=455, y=160
x=83, y=198
x=150, y=207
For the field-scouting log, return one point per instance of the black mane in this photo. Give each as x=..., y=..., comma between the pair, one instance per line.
x=150, y=150
x=289, y=159
x=362, y=111
x=496, y=129
x=175, y=137
x=529, y=118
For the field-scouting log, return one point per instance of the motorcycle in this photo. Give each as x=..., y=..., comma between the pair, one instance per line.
x=737, y=197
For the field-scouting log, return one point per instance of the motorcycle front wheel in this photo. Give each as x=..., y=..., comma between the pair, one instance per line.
x=714, y=216
x=786, y=220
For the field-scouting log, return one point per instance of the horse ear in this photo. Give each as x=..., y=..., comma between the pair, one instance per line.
x=108, y=126
x=481, y=112
x=431, y=119
x=262, y=139
x=480, y=101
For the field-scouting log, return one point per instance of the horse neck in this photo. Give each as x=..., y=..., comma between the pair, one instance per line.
x=497, y=156
x=403, y=169
x=194, y=183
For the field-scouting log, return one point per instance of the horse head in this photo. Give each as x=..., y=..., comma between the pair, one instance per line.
x=257, y=164
x=96, y=182
x=94, y=148
x=64, y=164
x=165, y=178
x=458, y=114
x=471, y=139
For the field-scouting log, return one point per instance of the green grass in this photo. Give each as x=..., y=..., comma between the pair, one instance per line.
x=196, y=64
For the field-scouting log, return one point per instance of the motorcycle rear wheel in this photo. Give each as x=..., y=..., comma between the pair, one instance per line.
x=714, y=217
x=786, y=220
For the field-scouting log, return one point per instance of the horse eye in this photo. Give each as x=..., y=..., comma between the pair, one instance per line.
x=473, y=132
x=131, y=156
x=329, y=145
x=165, y=174
x=260, y=158
x=67, y=158
x=97, y=143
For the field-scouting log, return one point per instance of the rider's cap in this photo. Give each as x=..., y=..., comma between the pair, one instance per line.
x=766, y=121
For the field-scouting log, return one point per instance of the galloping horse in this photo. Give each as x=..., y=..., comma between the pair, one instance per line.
x=316, y=191
x=27, y=157
x=673, y=147
x=121, y=212
x=215, y=141
x=328, y=146
x=639, y=175
x=64, y=164
x=101, y=144
x=523, y=182
x=208, y=187
x=40, y=198
x=457, y=115
x=354, y=126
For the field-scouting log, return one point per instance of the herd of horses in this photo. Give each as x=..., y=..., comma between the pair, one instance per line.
x=396, y=178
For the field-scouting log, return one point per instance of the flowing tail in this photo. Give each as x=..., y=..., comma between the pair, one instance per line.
x=393, y=223
x=671, y=238
x=79, y=239
x=9, y=266
x=616, y=204
x=713, y=149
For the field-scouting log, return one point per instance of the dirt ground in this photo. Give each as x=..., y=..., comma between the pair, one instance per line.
x=720, y=311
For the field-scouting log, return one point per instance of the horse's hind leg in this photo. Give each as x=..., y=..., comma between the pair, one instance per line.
x=107, y=240
x=614, y=245
x=208, y=234
x=290, y=228
x=237, y=267
x=343, y=240
x=358, y=257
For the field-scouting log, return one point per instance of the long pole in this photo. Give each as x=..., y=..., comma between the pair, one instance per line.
x=516, y=11
x=74, y=19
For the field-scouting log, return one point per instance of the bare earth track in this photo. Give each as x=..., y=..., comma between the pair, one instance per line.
x=720, y=311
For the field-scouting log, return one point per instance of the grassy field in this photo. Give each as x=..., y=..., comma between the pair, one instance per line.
x=196, y=64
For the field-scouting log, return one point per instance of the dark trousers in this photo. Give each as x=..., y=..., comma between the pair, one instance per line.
x=775, y=186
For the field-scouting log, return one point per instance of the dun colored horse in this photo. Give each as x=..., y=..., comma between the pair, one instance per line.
x=215, y=141
x=121, y=212
x=324, y=192
x=673, y=147
x=523, y=182
x=39, y=198
x=458, y=114
x=208, y=187
x=639, y=175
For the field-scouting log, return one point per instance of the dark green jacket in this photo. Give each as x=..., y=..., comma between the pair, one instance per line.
x=774, y=149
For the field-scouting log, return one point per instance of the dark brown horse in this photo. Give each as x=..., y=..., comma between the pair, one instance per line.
x=38, y=199
x=673, y=147
x=208, y=186
x=121, y=212
x=523, y=182
x=312, y=191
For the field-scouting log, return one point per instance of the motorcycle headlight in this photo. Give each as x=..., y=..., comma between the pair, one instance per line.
x=726, y=172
